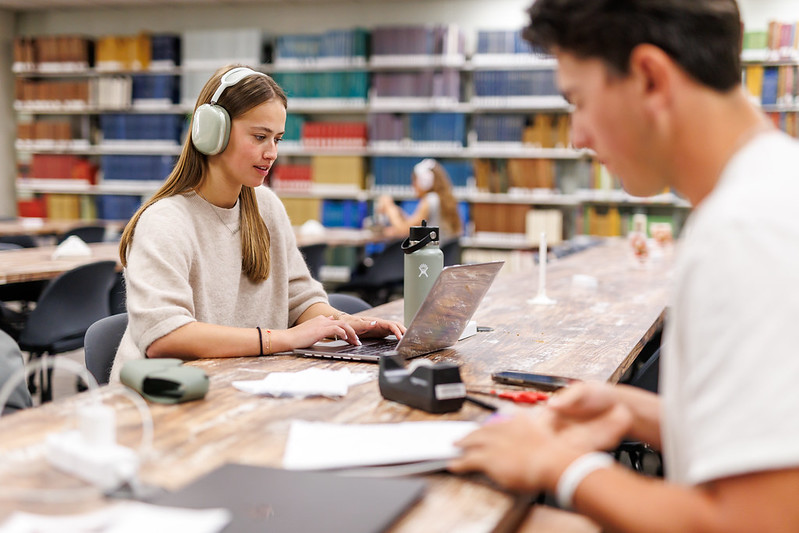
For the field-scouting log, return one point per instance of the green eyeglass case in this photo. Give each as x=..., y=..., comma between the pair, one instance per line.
x=165, y=380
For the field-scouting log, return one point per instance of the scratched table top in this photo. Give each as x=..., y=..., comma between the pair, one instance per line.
x=589, y=333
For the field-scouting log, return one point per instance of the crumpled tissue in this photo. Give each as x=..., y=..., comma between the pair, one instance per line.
x=309, y=382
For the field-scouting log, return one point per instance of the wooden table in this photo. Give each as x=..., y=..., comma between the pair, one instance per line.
x=32, y=264
x=35, y=264
x=46, y=226
x=588, y=334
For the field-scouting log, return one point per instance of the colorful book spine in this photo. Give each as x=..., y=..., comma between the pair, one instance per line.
x=137, y=167
x=394, y=173
x=334, y=134
x=438, y=127
x=538, y=82
x=151, y=127
x=344, y=213
x=350, y=84
x=291, y=178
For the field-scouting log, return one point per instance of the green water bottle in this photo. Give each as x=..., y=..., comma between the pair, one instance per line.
x=423, y=263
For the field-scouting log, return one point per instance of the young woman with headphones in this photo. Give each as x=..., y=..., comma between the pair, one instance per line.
x=211, y=262
x=437, y=205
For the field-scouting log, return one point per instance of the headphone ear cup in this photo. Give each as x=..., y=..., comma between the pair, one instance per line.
x=210, y=129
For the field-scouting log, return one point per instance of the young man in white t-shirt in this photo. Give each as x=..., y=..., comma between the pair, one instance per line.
x=656, y=90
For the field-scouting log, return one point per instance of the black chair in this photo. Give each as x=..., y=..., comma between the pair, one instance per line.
x=24, y=241
x=452, y=251
x=10, y=363
x=378, y=282
x=101, y=343
x=68, y=306
x=86, y=233
x=314, y=255
x=348, y=303
x=644, y=374
x=118, y=295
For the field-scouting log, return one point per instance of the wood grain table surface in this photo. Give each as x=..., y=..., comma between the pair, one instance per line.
x=590, y=333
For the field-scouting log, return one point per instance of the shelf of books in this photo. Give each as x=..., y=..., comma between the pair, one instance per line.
x=771, y=72
x=101, y=122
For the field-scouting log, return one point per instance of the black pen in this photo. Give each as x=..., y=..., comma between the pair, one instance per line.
x=481, y=403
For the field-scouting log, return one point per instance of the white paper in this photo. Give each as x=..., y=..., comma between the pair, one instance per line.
x=320, y=445
x=128, y=517
x=310, y=382
x=73, y=246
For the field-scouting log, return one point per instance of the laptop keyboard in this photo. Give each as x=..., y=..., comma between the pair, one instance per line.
x=375, y=348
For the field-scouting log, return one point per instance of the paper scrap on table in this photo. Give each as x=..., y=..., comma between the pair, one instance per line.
x=321, y=445
x=127, y=517
x=310, y=382
x=73, y=246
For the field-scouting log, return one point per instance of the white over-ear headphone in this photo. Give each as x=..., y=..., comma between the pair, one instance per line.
x=423, y=171
x=210, y=126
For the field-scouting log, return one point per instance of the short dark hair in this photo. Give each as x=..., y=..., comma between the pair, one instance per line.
x=702, y=36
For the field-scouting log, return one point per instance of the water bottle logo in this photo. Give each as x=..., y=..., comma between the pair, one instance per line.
x=423, y=270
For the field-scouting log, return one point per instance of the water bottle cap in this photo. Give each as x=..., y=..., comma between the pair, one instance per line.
x=417, y=233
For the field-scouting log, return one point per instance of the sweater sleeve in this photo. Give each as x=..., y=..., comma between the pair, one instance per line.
x=303, y=290
x=159, y=295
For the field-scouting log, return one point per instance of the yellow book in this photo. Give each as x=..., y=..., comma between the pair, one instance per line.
x=754, y=80
x=482, y=173
x=343, y=171
x=301, y=210
x=562, y=139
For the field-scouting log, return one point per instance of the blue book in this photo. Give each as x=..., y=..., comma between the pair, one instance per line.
x=770, y=86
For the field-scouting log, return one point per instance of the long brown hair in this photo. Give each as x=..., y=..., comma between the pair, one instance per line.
x=449, y=206
x=192, y=166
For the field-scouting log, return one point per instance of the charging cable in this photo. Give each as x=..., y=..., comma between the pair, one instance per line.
x=89, y=452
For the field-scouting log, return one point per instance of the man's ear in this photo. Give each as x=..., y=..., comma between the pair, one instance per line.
x=655, y=73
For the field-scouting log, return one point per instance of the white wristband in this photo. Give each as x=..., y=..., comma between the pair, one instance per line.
x=576, y=472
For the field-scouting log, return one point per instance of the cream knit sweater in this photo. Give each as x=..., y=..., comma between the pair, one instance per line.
x=184, y=265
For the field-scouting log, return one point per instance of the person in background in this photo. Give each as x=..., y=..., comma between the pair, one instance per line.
x=211, y=263
x=656, y=90
x=437, y=205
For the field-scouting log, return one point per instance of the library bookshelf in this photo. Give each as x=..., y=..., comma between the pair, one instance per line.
x=99, y=129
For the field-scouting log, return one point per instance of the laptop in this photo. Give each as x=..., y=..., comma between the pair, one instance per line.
x=286, y=501
x=438, y=324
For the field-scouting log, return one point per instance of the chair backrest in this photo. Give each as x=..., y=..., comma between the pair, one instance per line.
x=118, y=295
x=347, y=303
x=452, y=251
x=25, y=241
x=647, y=375
x=101, y=343
x=10, y=362
x=86, y=233
x=388, y=265
x=314, y=255
x=69, y=305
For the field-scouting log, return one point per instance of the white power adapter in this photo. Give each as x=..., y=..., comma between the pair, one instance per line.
x=91, y=453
